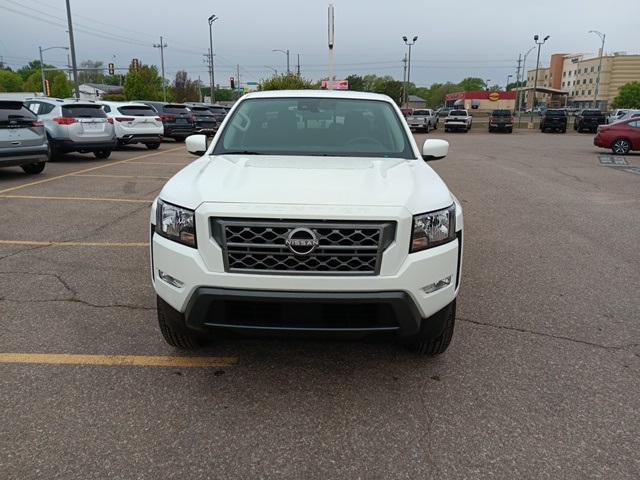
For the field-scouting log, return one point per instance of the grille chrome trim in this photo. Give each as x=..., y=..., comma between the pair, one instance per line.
x=346, y=248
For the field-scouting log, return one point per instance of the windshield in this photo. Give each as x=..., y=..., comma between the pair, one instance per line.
x=315, y=126
x=462, y=113
x=591, y=113
x=421, y=112
x=555, y=113
x=501, y=113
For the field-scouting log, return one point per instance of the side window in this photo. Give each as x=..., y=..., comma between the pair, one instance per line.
x=45, y=108
x=106, y=108
x=635, y=124
x=33, y=106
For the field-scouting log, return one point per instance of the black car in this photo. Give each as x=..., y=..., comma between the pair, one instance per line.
x=555, y=120
x=176, y=118
x=588, y=120
x=219, y=112
x=206, y=122
x=501, y=120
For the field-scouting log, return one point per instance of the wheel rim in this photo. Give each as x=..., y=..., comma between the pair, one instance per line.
x=621, y=146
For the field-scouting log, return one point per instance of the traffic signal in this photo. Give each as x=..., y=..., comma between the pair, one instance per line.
x=135, y=63
x=47, y=88
x=233, y=83
x=112, y=69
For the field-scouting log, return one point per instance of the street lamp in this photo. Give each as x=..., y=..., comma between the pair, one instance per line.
x=286, y=52
x=275, y=71
x=406, y=86
x=602, y=37
x=212, y=95
x=506, y=86
x=535, y=82
x=40, y=50
x=524, y=70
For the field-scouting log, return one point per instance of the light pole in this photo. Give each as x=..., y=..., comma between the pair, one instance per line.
x=275, y=71
x=162, y=45
x=212, y=80
x=286, y=52
x=40, y=50
x=506, y=86
x=595, y=96
x=524, y=72
x=486, y=84
x=406, y=85
x=535, y=82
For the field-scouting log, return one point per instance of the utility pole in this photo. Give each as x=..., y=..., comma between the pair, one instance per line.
x=298, y=67
x=524, y=75
x=72, y=45
x=602, y=37
x=44, y=90
x=518, y=86
x=238, y=75
x=207, y=57
x=162, y=46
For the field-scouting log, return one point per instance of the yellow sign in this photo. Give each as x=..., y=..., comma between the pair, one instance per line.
x=494, y=96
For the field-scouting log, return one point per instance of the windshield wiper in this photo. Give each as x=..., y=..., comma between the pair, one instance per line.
x=241, y=152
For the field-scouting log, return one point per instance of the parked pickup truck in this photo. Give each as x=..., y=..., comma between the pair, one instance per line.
x=291, y=221
x=588, y=121
x=501, y=120
x=423, y=119
x=555, y=120
x=458, y=120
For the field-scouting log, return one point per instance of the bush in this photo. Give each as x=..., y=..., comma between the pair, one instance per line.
x=286, y=82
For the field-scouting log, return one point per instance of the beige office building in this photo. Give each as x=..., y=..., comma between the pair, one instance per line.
x=571, y=79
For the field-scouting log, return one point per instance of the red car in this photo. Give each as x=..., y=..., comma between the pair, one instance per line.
x=620, y=137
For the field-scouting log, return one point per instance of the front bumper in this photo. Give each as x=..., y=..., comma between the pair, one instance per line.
x=397, y=289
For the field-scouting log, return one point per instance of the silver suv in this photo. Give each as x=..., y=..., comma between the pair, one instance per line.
x=75, y=126
x=22, y=139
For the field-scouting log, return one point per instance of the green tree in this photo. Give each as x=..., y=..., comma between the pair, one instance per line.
x=471, y=84
x=143, y=83
x=628, y=96
x=59, y=84
x=10, y=81
x=286, y=82
x=356, y=83
x=113, y=79
x=30, y=68
x=184, y=89
x=513, y=85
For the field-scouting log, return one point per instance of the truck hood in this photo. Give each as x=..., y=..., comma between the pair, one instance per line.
x=305, y=180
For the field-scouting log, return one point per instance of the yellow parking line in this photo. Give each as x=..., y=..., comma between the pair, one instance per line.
x=118, y=360
x=150, y=177
x=72, y=244
x=84, y=199
x=39, y=182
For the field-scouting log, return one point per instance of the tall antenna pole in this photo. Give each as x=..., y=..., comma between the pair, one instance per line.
x=331, y=41
x=72, y=45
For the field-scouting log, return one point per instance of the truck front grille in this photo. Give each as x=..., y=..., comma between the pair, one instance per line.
x=331, y=248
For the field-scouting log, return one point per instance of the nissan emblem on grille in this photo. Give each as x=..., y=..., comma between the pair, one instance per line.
x=302, y=241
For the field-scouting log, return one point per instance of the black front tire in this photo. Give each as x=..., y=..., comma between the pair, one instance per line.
x=173, y=330
x=153, y=146
x=102, y=154
x=425, y=342
x=34, y=168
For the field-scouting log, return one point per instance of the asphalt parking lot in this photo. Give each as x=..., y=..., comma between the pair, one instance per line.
x=542, y=379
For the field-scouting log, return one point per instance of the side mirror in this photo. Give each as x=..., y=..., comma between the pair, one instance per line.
x=434, y=149
x=196, y=144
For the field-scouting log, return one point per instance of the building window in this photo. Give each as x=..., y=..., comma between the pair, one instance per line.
x=591, y=80
x=584, y=81
x=589, y=92
x=563, y=84
x=592, y=69
x=564, y=74
x=578, y=71
x=570, y=72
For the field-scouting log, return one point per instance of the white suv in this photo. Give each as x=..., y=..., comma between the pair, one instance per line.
x=135, y=123
x=310, y=211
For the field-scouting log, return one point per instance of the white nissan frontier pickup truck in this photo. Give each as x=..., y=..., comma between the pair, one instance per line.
x=310, y=212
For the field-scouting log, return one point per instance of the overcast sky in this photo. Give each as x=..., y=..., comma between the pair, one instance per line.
x=456, y=39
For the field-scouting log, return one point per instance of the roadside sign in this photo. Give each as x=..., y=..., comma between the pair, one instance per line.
x=335, y=85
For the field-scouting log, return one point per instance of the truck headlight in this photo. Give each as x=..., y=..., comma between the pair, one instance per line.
x=176, y=223
x=433, y=229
